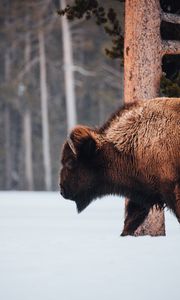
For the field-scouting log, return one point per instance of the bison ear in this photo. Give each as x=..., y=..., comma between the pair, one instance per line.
x=84, y=142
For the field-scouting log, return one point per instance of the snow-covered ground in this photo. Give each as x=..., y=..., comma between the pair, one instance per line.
x=48, y=252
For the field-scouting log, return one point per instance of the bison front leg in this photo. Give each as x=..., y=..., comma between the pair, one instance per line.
x=135, y=216
x=177, y=204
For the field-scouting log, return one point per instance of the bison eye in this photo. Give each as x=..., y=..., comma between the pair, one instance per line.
x=70, y=164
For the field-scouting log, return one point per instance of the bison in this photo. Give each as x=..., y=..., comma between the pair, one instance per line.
x=136, y=154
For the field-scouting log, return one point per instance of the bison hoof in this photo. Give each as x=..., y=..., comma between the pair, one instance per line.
x=125, y=233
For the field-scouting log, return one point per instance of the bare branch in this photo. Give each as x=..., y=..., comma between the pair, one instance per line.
x=82, y=71
x=170, y=47
x=111, y=70
x=171, y=18
x=27, y=68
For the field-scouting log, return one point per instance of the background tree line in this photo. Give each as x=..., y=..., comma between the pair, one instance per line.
x=32, y=69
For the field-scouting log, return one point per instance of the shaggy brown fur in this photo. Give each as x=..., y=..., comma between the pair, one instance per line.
x=136, y=153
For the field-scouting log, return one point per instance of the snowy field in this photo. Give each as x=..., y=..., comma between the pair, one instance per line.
x=48, y=252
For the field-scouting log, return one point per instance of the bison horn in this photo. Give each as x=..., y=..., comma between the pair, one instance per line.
x=71, y=145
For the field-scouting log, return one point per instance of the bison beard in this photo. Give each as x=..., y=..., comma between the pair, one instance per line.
x=134, y=154
x=81, y=205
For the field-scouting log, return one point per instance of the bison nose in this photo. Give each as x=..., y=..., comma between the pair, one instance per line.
x=65, y=193
x=62, y=191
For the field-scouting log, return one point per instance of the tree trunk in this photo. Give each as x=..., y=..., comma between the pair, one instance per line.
x=27, y=122
x=44, y=112
x=8, y=163
x=28, y=149
x=142, y=55
x=68, y=72
x=7, y=133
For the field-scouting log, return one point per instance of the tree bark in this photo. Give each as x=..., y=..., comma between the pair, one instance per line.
x=44, y=112
x=68, y=72
x=142, y=64
x=142, y=50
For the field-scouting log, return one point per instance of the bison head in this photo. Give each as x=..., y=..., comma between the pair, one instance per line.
x=81, y=174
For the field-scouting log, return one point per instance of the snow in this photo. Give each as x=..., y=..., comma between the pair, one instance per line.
x=49, y=252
